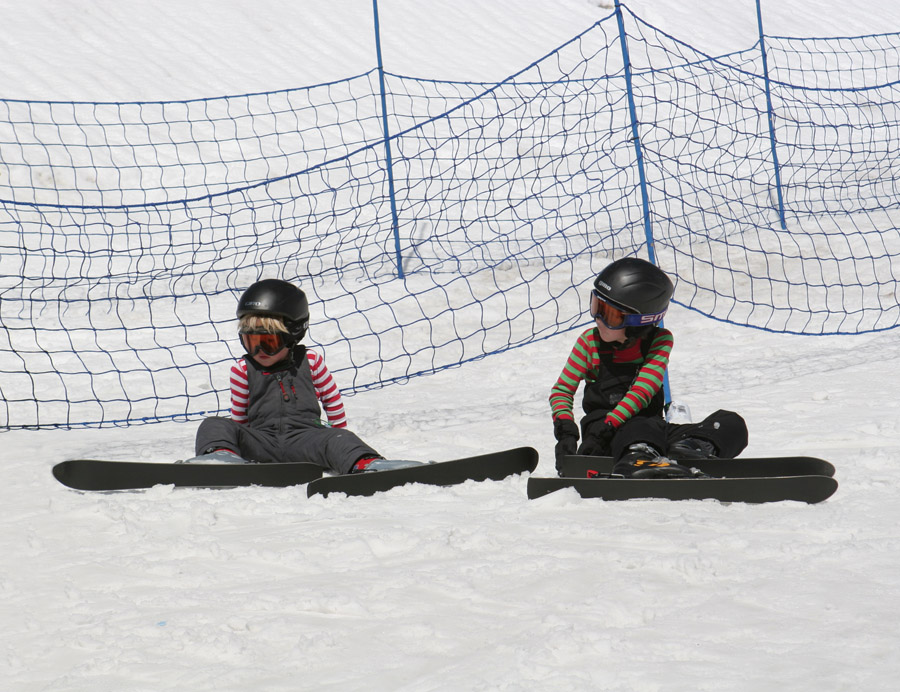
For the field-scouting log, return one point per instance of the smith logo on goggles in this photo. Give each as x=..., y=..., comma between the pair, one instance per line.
x=616, y=318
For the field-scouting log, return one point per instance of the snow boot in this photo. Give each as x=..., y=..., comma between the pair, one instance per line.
x=643, y=461
x=217, y=456
x=691, y=448
x=370, y=465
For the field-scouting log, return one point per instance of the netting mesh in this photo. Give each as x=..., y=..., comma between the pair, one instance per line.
x=128, y=230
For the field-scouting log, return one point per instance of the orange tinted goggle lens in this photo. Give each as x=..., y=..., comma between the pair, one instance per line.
x=270, y=344
x=611, y=316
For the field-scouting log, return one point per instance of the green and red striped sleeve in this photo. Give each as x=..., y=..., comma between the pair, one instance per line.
x=648, y=382
x=578, y=367
x=583, y=364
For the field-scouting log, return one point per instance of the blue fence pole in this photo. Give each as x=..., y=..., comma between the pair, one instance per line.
x=639, y=155
x=635, y=135
x=770, y=114
x=387, y=144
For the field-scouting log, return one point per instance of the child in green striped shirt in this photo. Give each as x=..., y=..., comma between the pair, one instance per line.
x=622, y=361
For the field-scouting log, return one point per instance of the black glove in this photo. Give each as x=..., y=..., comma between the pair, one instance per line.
x=598, y=439
x=566, y=433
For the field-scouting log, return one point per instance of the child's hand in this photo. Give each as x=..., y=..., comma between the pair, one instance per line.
x=566, y=433
x=563, y=428
x=598, y=438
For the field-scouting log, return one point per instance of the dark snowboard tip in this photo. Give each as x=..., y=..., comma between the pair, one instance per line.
x=61, y=472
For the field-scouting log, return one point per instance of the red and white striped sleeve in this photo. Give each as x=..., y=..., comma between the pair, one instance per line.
x=240, y=391
x=326, y=390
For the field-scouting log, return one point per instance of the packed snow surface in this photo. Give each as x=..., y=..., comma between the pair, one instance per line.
x=472, y=587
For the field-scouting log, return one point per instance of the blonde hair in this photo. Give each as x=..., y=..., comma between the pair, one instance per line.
x=261, y=323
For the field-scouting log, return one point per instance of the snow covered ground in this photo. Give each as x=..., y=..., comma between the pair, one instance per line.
x=474, y=587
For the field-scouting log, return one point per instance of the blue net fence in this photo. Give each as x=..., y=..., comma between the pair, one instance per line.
x=768, y=188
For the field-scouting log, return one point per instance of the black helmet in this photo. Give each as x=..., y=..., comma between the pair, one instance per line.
x=277, y=298
x=636, y=286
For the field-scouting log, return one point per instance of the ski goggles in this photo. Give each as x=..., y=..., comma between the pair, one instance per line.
x=267, y=342
x=616, y=318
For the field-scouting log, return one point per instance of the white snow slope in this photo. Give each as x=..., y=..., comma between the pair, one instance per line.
x=473, y=587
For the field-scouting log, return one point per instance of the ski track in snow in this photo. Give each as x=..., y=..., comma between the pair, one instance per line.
x=473, y=587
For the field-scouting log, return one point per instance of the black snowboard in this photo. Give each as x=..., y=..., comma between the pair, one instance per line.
x=494, y=466
x=809, y=489
x=94, y=474
x=577, y=466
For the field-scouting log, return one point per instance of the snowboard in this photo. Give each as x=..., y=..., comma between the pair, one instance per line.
x=494, y=467
x=96, y=474
x=577, y=466
x=807, y=488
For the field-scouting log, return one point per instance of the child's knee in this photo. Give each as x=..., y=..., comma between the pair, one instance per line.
x=727, y=430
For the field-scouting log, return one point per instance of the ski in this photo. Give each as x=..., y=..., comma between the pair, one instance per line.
x=96, y=474
x=807, y=488
x=494, y=466
x=576, y=466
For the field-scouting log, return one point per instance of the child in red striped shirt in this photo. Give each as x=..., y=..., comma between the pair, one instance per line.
x=278, y=391
x=622, y=360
